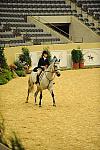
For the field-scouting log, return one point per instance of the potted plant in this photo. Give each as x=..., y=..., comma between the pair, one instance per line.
x=25, y=59
x=75, y=58
x=81, y=61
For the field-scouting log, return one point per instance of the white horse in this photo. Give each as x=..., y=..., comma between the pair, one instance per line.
x=46, y=81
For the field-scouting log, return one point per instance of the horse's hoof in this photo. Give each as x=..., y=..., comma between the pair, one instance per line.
x=26, y=102
x=40, y=106
x=54, y=105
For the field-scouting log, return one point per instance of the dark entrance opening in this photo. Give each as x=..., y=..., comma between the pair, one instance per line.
x=62, y=28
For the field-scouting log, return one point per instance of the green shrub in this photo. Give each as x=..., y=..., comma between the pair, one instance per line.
x=2, y=131
x=25, y=56
x=19, y=65
x=7, y=74
x=20, y=73
x=20, y=69
x=3, y=63
x=81, y=59
x=75, y=56
x=3, y=80
x=16, y=143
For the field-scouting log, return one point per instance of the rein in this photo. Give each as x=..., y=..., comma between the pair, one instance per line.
x=55, y=70
x=50, y=72
x=47, y=77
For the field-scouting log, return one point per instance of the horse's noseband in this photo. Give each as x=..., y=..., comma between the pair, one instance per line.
x=56, y=70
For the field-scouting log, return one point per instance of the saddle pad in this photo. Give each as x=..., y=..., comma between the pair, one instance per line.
x=35, y=69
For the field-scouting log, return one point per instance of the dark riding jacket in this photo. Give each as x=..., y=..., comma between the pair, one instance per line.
x=43, y=62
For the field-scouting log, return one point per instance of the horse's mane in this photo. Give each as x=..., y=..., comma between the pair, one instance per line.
x=52, y=62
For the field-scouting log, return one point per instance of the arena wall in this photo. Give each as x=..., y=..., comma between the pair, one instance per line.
x=91, y=57
x=62, y=51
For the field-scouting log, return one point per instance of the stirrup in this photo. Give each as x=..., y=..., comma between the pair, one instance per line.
x=37, y=80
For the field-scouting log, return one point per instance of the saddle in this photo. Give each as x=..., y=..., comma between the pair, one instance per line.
x=36, y=69
x=38, y=75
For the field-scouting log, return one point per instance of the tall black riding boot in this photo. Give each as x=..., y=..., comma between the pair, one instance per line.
x=37, y=79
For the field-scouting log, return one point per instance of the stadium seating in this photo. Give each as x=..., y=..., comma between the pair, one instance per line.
x=91, y=6
x=13, y=13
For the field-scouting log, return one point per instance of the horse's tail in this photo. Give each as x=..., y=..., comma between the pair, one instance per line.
x=30, y=87
x=30, y=84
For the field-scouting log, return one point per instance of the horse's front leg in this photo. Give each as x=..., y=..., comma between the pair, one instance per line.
x=27, y=96
x=53, y=97
x=40, y=98
x=35, y=95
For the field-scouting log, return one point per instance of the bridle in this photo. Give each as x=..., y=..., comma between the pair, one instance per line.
x=47, y=77
x=55, y=70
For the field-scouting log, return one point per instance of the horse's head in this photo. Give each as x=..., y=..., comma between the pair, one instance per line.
x=56, y=69
x=55, y=66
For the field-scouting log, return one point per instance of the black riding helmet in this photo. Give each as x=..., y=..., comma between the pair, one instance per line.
x=44, y=52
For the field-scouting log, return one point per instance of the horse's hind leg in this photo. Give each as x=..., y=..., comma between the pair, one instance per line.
x=52, y=94
x=40, y=98
x=30, y=88
x=54, y=104
x=27, y=96
x=35, y=95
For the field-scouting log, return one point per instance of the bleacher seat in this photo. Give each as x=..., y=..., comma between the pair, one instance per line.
x=91, y=6
x=15, y=12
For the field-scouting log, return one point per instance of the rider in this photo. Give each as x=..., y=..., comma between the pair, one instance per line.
x=42, y=64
